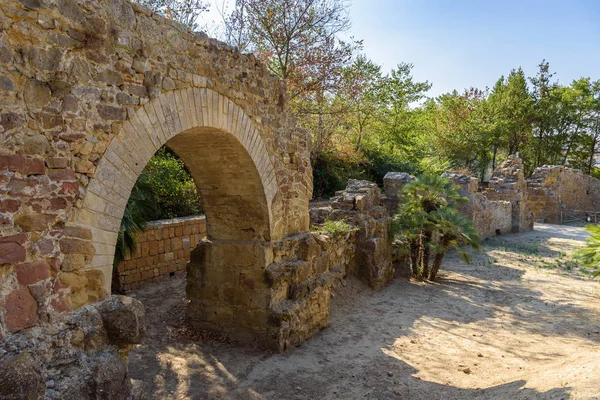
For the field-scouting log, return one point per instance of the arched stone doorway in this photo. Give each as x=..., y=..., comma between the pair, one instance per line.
x=231, y=166
x=221, y=148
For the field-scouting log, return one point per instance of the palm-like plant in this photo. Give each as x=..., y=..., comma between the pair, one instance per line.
x=140, y=209
x=408, y=225
x=453, y=231
x=590, y=254
x=427, y=221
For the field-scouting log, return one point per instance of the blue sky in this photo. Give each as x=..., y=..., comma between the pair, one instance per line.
x=458, y=44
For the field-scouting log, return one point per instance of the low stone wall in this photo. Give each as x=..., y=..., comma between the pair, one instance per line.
x=553, y=190
x=163, y=250
x=489, y=217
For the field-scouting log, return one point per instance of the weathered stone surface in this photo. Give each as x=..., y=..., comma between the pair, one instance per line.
x=21, y=310
x=37, y=93
x=158, y=256
x=394, y=181
x=110, y=377
x=76, y=246
x=124, y=320
x=12, y=248
x=21, y=378
x=556, y=194
x=23, y=165
x=29, y=273
x=502, y=207
x=72, y=359
x=34, y=221
x=111, y=112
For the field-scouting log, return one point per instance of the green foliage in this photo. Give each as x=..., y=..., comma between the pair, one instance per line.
x=140, y=209
x=170, y=185
x=332, y=169
x=428, y=224
x=589, y=256
x=335, y=228
x=164, y=189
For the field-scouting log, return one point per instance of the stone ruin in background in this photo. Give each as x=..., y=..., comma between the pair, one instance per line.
x=558, y=194
x=500, y=208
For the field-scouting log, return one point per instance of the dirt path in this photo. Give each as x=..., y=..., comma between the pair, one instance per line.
x=521, y=322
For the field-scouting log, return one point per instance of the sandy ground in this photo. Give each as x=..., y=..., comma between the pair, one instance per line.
x=521, y=322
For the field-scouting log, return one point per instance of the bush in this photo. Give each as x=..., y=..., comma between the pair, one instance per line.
x=333, y=168
x=428, y=224
x=335, y=228
x=589, y=256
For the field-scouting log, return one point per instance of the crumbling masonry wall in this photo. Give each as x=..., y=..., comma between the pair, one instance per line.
x=162, y=249
x=81, y=356
x=556, y=190
x=502, y=207
x=489, y=217
x=508, y=184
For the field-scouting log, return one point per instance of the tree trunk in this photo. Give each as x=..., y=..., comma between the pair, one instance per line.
x=592, y=153
x=426, y=254
x=437, y=263
x=414, y=258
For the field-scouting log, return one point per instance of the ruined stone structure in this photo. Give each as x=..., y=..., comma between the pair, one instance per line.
x=163, y=250
x=79, y=356
x=489, y=217
x=502, y=207
x=508, y=184
x=289, y=300
x=556, y=191
x=89, y=91
x=392, y=184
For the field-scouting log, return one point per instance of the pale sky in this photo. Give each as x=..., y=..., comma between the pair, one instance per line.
x=459, y=44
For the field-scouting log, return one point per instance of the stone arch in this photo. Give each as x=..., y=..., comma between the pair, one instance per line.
x=220, y=145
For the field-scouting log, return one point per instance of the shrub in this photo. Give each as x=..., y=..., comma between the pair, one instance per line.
x=589, y=256
x=335, y=228
x=428, y=224
x=171, y=186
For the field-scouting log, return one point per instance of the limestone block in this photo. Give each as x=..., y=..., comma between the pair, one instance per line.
x=124, y=319
x=394, y=181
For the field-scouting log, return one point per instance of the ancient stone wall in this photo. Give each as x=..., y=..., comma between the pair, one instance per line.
x=508, y=184
x=553, y=190
x=89, y=91
x=163, y=250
